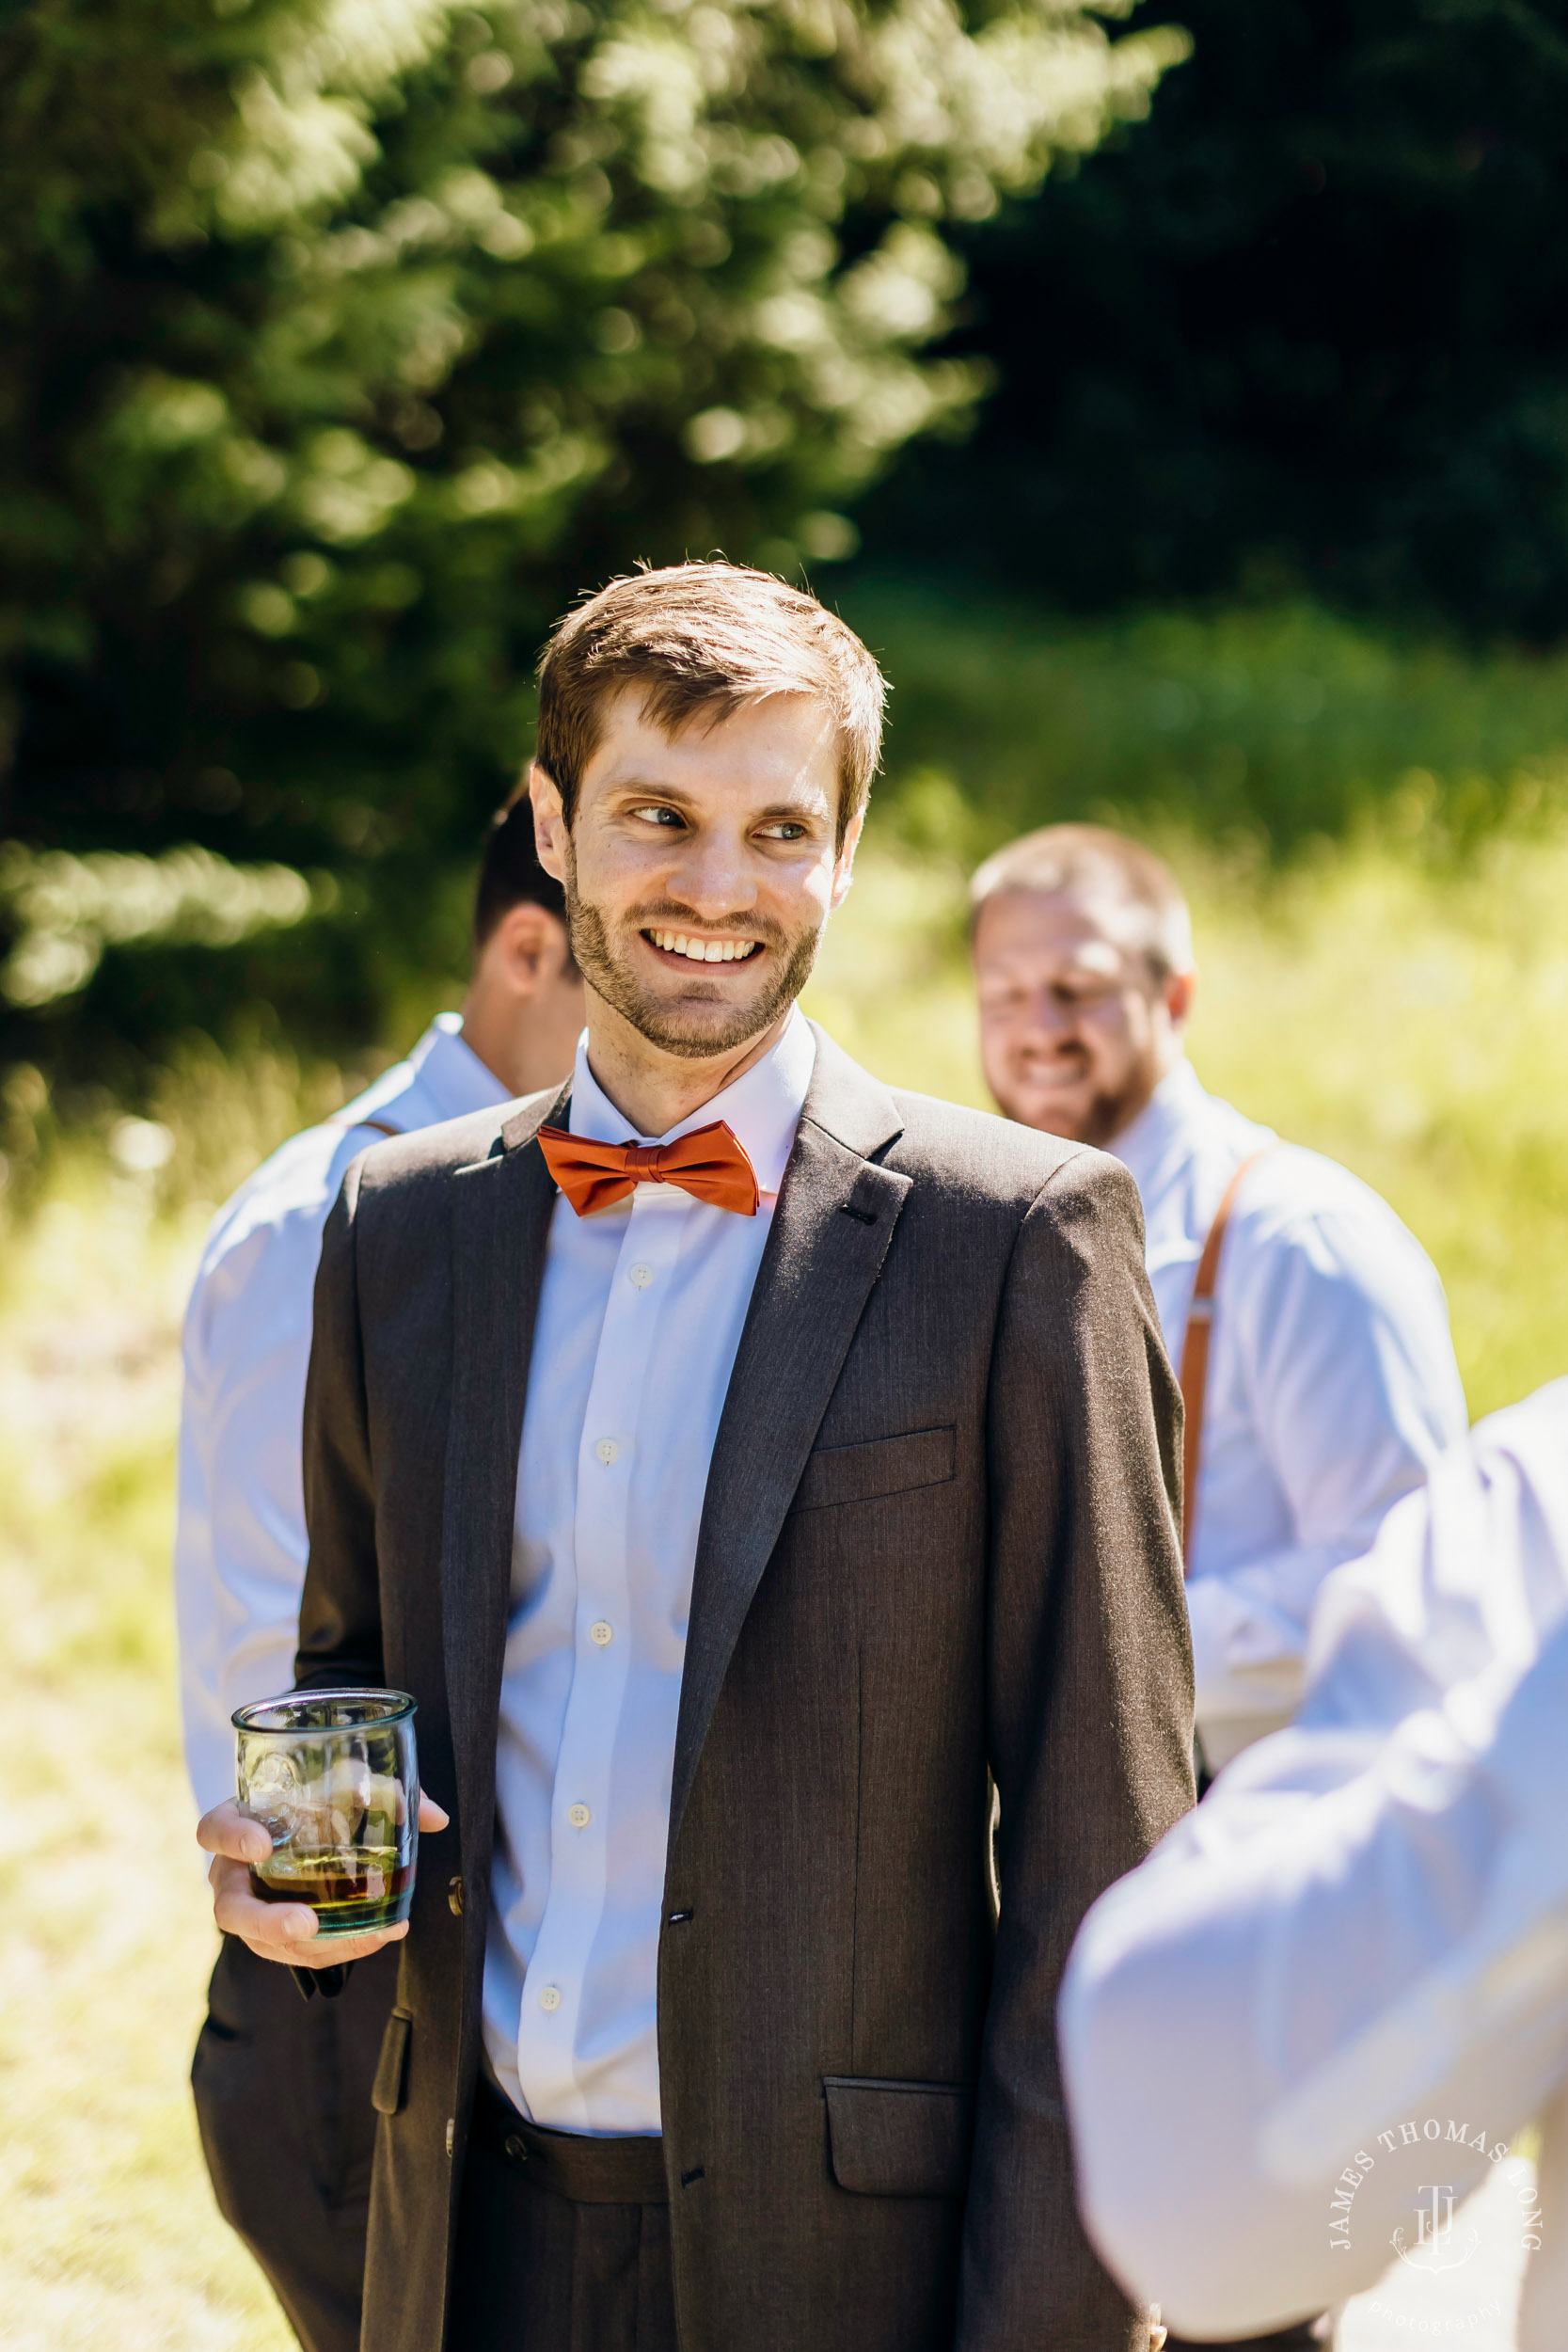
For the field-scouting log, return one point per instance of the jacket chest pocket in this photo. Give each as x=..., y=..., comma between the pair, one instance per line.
x=899, y=2140
x=882, y=1467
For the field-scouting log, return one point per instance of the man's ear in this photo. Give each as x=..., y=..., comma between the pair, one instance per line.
x=549, y=821
x=843, y=864
x=526, y=949
x=1180, y=990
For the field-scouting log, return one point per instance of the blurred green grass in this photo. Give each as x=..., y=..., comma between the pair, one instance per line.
x=1402, y=1010
x=1278, y=722
x=108, y=2234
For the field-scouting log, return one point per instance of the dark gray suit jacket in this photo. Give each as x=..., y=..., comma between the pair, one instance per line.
x=938, y=1540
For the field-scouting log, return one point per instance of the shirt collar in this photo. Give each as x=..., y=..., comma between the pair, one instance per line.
x=762, y=1108
x=452, y=1073
x=1163, y=1125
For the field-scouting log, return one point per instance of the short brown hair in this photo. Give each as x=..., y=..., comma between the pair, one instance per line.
x=1092, y=860
x=701, y=640
x=510, y=874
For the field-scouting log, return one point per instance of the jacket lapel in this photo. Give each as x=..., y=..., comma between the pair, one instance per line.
x=501, y=1209
x=830, y=1232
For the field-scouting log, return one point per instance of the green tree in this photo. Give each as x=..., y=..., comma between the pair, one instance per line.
x=348, y=339
x=1305, y=329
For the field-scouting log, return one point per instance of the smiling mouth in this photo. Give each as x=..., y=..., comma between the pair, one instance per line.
x=1055, y=1078
x=699, y=950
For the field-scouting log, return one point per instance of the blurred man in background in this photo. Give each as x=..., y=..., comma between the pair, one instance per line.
x=1358, y=1945
x=282, y=2084
x=1308, y=1325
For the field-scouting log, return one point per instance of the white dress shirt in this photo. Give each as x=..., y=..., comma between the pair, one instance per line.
x=239, y=1543
x=1332, y=1385
x=640, y=1312
x=1365, y=1925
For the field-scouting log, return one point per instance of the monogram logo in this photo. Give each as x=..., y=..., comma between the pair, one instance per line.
x=1437, y=2245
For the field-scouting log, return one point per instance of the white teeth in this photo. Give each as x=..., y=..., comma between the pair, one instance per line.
x=703, y=950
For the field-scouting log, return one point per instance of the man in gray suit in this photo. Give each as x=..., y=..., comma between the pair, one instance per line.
x=745, y=1468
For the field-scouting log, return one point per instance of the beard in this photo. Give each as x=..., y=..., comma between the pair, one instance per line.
x=710, y=1022
x=1106, y=1115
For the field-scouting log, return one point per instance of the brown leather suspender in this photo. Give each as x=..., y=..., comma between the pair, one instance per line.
x=1195, y=1352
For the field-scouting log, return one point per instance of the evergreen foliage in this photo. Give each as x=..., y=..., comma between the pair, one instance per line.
x=1305, y=329
x=344, y=340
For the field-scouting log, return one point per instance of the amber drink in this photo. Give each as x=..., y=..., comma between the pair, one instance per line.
x=333, y=1778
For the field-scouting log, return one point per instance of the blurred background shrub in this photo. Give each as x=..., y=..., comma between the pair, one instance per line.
x=343, y=344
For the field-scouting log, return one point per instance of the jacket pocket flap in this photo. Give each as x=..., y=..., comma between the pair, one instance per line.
x=899, y=2139
x=389, y=2087
x=885, y=1466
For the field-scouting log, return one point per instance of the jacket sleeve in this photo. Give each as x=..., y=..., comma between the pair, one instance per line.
x=1089, y=1707
x=339, y=1622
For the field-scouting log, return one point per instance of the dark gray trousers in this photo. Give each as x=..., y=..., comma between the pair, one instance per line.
x=282, y=2089
x=563, y=2242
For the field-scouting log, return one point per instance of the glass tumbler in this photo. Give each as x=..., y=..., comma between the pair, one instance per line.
x=333, y=1777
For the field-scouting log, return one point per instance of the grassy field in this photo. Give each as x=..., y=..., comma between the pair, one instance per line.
x=1409, y=1018
x=108, y=2235
x=1281, y=722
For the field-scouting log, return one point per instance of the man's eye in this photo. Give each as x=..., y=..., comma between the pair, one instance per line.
x=785, y=830
x=654, y=815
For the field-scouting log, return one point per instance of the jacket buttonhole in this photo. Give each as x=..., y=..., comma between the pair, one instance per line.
x=697, y=2173
x=679, y=1918
x=861, y=1216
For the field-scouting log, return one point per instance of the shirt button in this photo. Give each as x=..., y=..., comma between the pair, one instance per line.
x=607, y=1450
x=550, y=1997
x=579, y=1816
x=641, y=1276
x=601, y=1635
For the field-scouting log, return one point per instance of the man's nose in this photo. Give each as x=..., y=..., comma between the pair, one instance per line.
x=1055, y=1020
x=713, y=880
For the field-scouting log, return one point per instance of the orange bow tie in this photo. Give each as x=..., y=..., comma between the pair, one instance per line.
x=710, y=1164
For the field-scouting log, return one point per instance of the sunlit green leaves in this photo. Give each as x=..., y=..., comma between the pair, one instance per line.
x=345, y=341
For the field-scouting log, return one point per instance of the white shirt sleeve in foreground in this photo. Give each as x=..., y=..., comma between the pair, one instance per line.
x=1367, y=1918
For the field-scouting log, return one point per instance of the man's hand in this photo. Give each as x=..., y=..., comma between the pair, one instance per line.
x=283, y=1932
